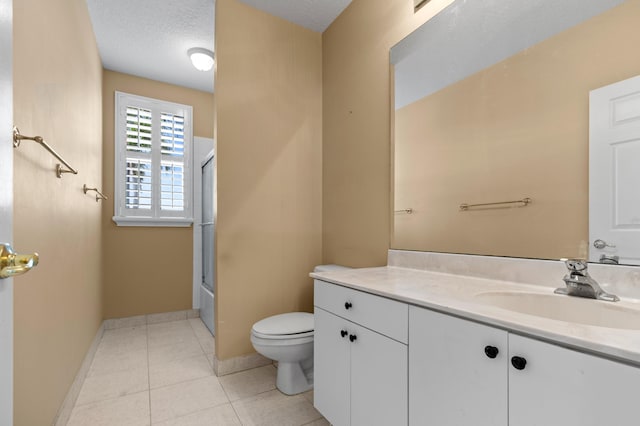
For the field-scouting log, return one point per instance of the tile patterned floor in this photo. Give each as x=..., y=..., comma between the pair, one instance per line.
x=161, y=375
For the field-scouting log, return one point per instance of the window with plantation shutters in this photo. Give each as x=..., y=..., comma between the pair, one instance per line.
x=152, y=165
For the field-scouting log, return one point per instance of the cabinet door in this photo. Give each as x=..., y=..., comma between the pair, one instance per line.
x=452, y=381
x=378, y=380
x=331, y=367
x=560, y=386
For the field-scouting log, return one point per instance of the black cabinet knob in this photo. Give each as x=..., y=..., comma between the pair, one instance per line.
x=518, y=362
x=353, y=337
x=347, y=305
x=343, y=333
x=491, y=351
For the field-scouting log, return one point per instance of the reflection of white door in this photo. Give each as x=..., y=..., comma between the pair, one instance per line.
x=6, y=211
x=614, y=172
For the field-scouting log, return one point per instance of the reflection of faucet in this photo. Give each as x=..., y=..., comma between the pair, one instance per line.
x=579, y=283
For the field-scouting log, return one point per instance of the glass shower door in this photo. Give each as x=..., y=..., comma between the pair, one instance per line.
x=207, y=292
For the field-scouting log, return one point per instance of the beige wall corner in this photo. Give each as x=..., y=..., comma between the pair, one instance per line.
x=356, y=127
x=146, y=270
x=58, y=305
x=269, y=170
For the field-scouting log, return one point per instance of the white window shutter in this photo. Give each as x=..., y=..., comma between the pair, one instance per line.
x=153, y=162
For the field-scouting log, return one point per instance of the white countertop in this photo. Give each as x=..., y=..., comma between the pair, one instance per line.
x=455, y=294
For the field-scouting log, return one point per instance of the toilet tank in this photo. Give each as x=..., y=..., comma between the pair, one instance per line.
x=328, y=268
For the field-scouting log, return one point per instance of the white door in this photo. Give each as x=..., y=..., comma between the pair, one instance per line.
x=614, y=174
x=6, y=210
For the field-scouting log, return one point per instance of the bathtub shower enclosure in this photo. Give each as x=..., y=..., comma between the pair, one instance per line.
x=207, y=228
x=203, y=230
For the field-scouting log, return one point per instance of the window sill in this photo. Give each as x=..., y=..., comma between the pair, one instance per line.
x=177, y=222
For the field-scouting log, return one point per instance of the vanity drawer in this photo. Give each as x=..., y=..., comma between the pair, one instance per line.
x=386, y=316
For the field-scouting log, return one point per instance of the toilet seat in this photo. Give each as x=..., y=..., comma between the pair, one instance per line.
x=293, y=325
x=281, y=336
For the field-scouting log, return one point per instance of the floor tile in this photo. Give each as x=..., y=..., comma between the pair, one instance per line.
x=130, y=410
x=208, y=345
x=179, y=371
x=109, y=362
x=165, y=369
x=125, y=322
x=170, y=333
x=210, y=358
x=309, y=396
x=166, y=317
x=123, y=340
x=178, y=400
x=319, y=422
x=113, y=385
x=274, y=408
x=174, y=351
x=223, y=415
x=249, y=383
x=199, y=328
x=109, y=336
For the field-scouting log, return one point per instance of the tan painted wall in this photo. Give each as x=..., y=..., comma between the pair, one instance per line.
x=58, y=305
x=517, y=129
x=146, y=270
x=356, y=133
x=268, y=135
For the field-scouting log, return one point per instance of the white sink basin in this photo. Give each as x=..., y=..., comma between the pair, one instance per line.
x=566, y=308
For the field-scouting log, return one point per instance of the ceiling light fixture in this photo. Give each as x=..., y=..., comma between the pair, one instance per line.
x=201, y=58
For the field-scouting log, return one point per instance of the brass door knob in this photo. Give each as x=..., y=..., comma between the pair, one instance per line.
x=12, y=264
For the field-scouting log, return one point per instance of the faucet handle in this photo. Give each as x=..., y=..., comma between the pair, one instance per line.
x=576, y=265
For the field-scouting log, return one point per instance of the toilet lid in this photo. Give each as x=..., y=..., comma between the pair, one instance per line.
x=284, y=324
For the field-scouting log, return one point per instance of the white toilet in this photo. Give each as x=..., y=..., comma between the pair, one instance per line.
x=288, y=339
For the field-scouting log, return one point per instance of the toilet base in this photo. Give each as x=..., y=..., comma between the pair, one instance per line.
x=292, y=379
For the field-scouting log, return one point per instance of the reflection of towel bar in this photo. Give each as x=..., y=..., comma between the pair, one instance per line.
x=524, y=202
x=407, y=211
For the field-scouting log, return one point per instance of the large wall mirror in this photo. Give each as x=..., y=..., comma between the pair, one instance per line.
x=491, y=130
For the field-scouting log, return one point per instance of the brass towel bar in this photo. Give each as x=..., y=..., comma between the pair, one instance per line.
x=407, y=211
x=99, y=195
x=522, y=203
x=17, y=137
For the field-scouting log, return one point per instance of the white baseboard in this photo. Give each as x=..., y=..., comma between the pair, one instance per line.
x=111, y=324
x=239, y=363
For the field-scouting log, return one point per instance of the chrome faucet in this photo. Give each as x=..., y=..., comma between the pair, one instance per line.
x=579, y=283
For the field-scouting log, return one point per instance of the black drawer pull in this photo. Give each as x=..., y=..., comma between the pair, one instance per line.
x=491, y=351
x=347, y=305
x=352, y=337
x=518, y=362
x=343, y=333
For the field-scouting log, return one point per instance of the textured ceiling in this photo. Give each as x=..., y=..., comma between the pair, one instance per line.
x=315, y=15
x=150, y=38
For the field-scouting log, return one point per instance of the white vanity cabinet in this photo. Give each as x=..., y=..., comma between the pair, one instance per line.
x=360, y=357
x=456, y=378
x=457, y=371
x=560, y=386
